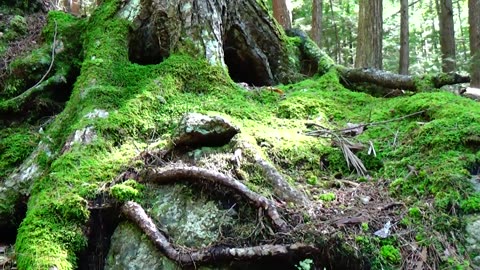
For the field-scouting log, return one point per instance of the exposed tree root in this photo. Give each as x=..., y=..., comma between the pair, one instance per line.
x=281, y=188
x=280, y=185
x=172, y=174
x=136, y=214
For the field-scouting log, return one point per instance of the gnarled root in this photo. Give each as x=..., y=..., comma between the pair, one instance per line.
x=136, y=214
x=192, y=174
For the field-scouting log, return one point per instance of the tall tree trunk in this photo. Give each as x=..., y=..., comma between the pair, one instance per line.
x=462, y=33
x=338, y=51
x=317, y=15
x=447, y=36
x=370, y=34
x=474, y=21
x=282, y=13
x=404, y=38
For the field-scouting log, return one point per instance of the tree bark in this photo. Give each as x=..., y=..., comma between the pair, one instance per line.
x=474, y=21
x=254, y=53
x=447, y=36
x=370, y=34
x=317, y=14
x=282, y=14
x=404, y=38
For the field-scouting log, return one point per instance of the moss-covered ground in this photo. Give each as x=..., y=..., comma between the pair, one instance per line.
x=422, y=161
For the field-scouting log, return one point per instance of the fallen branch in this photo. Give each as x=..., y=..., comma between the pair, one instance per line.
x=193, y=174
x=323, y=63
x=15, y=103
x=384, y=122
x=396, y=81
x=53, y=58
x=135, y=213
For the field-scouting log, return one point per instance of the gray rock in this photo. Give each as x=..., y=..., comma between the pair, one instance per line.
x=472, y=237
x=183, y=214
x=131, y=250
x=196, y=130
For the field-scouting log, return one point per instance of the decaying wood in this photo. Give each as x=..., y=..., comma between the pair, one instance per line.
x=396, y=81
x=192, y=174
x=322, y=63
x=136, y=214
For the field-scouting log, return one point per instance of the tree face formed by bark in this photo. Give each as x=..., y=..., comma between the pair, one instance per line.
x=222, y=32
x=236, y=34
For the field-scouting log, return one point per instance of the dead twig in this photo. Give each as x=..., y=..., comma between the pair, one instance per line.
x=382, y=122
x=52, y=61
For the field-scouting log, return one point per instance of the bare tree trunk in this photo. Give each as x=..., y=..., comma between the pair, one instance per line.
x=447, y=36
x=282, y=13
x=317, y=14
x=404, y=38
x=474, y=21
x=462, y=33
x=338, y=51
x=370, y=34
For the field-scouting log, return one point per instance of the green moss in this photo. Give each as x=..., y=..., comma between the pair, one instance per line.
x=312, y=179
x=145, y=103
x=15, y=146
x=327, y=197
x=390, y=254
x=365, y=226
x=415, y=213
x=126, y=191
x=471, y=204
x=17, y=28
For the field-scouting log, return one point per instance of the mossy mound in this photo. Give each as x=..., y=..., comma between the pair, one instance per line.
x=421, y=157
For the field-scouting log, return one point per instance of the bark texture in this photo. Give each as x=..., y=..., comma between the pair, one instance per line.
x=317, y=14
x=404, y=38
x=474, y=21
x=282, y=13
x=238, y=34
x=447, y=36
x=370, y=34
